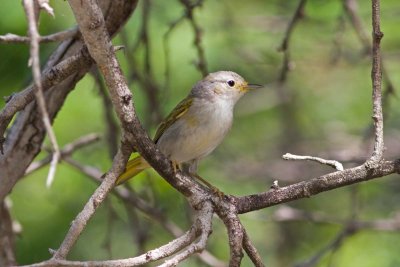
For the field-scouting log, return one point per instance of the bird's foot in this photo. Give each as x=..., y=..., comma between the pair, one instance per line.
x=214, y=189
x=175, y=166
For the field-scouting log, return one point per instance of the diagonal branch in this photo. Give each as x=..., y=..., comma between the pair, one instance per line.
x=131, y=199
x=92, y=27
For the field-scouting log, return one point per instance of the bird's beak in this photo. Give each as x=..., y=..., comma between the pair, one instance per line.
x=249, y=86
x=253, y=86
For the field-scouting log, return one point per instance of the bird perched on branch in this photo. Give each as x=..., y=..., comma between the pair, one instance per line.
x=197, y=125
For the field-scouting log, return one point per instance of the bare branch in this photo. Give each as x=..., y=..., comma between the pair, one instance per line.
x=26, y=135
x=202, y=63
x=376, y=74
x=285, y=96
x=333, y=245
x=204, y=220
x=290, y=214
x=146, y=80
x=99, y=45
x=44, y=4
x=34, y=59
x=150, y=256
x=112, y=129
x=333, y=163
x=351, y=7
x=284, y=47
x=131, y=199
x=10, y=38
x=51, y=77
x=251, y=250
x=228, y=214
x=310, y=187
x=6, y=236
x=66, y=151
x=188, y=14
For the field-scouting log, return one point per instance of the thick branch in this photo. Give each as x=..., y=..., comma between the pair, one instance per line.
x=314, y=186
x=25, y=137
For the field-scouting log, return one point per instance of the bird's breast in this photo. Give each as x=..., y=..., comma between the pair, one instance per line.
x=198, y=132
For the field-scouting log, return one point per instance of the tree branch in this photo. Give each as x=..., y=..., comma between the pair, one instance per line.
x=34, y=59
x=92, y=27
x=66, y=151
x=310, y=187
x=150, y=256
x=376, y=74
x=333, y=163
x=24, y=139
x=10, y=38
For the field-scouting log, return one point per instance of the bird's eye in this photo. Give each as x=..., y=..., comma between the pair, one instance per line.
x=231, y=83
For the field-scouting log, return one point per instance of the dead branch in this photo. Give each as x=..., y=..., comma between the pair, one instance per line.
x=10, y=38
x=284, y=47
x=112, y=129
x=34, y=60
x=201, y=64
x=6, y=236
x=130, y=198
x=310, y=187
x=333, y=163
x=376, y=73
x=66, y=151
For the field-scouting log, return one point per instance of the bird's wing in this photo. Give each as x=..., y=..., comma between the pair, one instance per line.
x=175, y=114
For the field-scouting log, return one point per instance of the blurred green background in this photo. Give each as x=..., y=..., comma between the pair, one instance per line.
x=326, y=111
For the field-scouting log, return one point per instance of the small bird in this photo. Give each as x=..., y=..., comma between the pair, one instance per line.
x=197, y=125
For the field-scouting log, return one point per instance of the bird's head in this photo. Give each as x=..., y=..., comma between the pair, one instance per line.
x=226, y=85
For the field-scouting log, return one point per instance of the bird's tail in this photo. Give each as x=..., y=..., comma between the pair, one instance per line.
x=133, y=168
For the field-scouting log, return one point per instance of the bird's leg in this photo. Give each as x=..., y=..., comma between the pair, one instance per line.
x=214, y=189
x=192, y=172
x=175, y=165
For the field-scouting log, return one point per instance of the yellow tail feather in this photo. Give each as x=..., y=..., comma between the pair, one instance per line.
x=133, y=168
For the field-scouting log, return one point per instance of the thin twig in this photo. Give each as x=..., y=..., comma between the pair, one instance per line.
x=286, y=213
x=112, y=129
x=201, y=64
x=351, y=7
x=290, y=125
x=333, y=163
x=66, y=151
x=188, y=14
x=34, y=59
x=284, y=47
x=333, y=245
x=376, y=74
x=10, y=38
x=146, y=80
x=44, y=4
